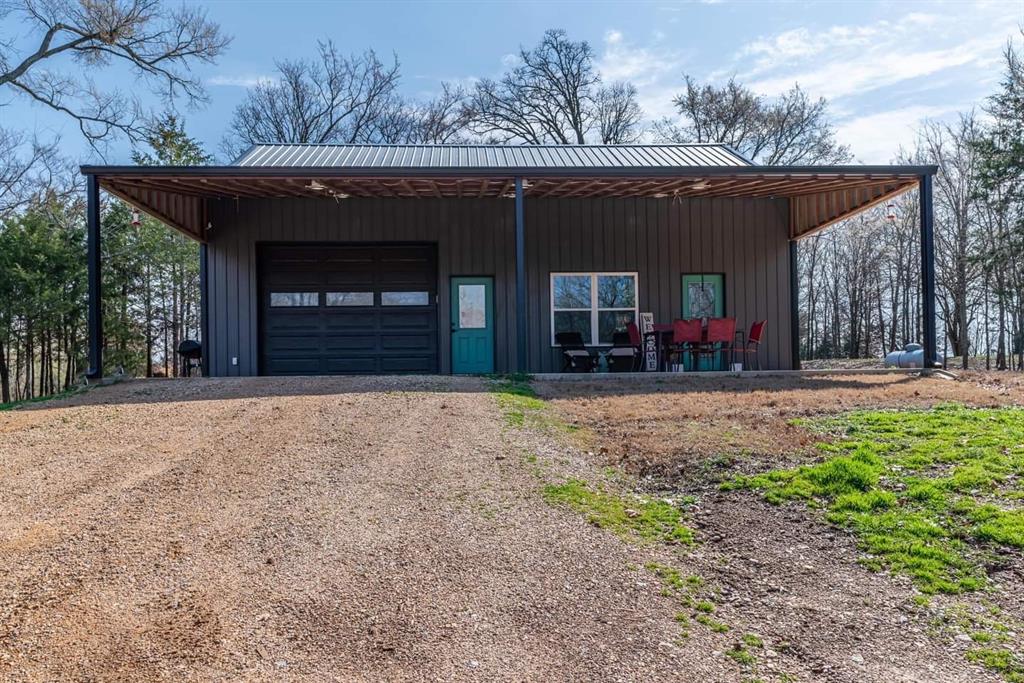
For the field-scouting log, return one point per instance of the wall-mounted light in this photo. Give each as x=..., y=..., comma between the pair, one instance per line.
x=890, y=212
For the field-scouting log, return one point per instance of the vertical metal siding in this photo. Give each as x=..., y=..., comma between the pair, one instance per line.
x=747, y=239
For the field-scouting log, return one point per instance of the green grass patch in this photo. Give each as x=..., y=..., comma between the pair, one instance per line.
x=711, y=623
x=522, y=407
x=517, y=400
x=1000, y=661
x=705, y=606
x=41, y=399
x=739, y=654
x=927, y=492
x=638, y=517
x=751, y=640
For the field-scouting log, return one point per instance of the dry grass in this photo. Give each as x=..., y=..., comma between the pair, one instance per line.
x=667, y=427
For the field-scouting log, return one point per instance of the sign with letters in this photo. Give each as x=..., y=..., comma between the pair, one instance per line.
x=650, y=342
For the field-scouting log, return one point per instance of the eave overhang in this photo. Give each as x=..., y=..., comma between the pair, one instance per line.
x=819, y=195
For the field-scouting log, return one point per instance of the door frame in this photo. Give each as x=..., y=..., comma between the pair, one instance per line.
x=451, y=319
x=682, y=294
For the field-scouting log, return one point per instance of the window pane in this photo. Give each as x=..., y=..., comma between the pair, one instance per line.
x=616, y=291
x=702, y=299
x=349, y=298
x=472, y=307
x=609, y=322
x=404, y=298
x=573, y=321
x=294, y=299
x=571, y=291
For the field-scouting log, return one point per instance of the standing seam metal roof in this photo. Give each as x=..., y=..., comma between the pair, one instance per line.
x=489, y=156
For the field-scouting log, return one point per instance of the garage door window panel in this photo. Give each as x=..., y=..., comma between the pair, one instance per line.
x=294, y=299
x=405, y=298
x=349, y=298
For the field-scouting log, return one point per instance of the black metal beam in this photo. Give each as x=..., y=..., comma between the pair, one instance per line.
x=92, y=216
x=204, y=311
x=928, y=271
x=794, y=304
x=520, y=281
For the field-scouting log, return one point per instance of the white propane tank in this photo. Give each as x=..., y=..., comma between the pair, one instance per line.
x=912, y=356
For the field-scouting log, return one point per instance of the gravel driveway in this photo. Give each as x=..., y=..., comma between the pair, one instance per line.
x=307, y=529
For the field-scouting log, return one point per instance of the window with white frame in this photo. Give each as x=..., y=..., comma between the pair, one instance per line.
x=594, y=304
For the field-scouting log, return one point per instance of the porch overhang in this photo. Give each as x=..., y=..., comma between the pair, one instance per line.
x=819, y=196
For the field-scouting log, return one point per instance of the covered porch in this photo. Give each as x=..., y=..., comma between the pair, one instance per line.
x=526, y=228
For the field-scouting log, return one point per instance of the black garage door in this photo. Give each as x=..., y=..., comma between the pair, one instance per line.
x=327, y=309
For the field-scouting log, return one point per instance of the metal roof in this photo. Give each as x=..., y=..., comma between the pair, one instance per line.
x=491, y=157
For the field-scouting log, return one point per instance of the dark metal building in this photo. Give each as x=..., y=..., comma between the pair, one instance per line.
x=467, y=258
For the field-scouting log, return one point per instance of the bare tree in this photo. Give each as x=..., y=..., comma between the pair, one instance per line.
x=333, y=99
x=554, y=95
x=28, y=166
x=159, y=43
x=791, y=129
x=953, y=148
x=618, y=113
x=442, y=120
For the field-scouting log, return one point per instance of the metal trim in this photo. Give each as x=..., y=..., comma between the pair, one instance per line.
x=512, y=171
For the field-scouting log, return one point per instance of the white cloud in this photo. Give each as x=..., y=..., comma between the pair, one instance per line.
x=238, y=81
x=875, y=138
x=847, y=60
x=880, y=68
x=655, y=71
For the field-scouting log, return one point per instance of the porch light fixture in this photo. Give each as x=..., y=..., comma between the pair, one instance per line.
x=317, y=186
x=701, y=184
x=890, y=212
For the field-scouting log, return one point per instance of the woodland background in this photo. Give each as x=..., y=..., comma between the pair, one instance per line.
x=859, y=280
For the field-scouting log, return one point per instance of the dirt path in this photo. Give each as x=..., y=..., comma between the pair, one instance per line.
x=307, y=529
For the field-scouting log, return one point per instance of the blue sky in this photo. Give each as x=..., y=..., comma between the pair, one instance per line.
x=883, y=66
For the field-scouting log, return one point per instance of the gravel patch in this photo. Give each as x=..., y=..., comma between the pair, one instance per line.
x=307, y=529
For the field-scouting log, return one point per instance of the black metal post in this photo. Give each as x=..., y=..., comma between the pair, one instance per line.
x=520, y=281
x=92, y=217
x=928, y=271
x=204, y=312
x=794, y=305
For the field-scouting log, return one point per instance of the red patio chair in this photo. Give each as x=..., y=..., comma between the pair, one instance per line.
x=636, y=340
x=687, y=336
x=752, y=345
x=720, y=338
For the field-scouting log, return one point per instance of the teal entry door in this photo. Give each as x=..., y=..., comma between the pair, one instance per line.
x=472, y=325
x=703, y=297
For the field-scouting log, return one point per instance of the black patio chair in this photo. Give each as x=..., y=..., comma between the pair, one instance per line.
x=576, y=357
x=625, y=354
